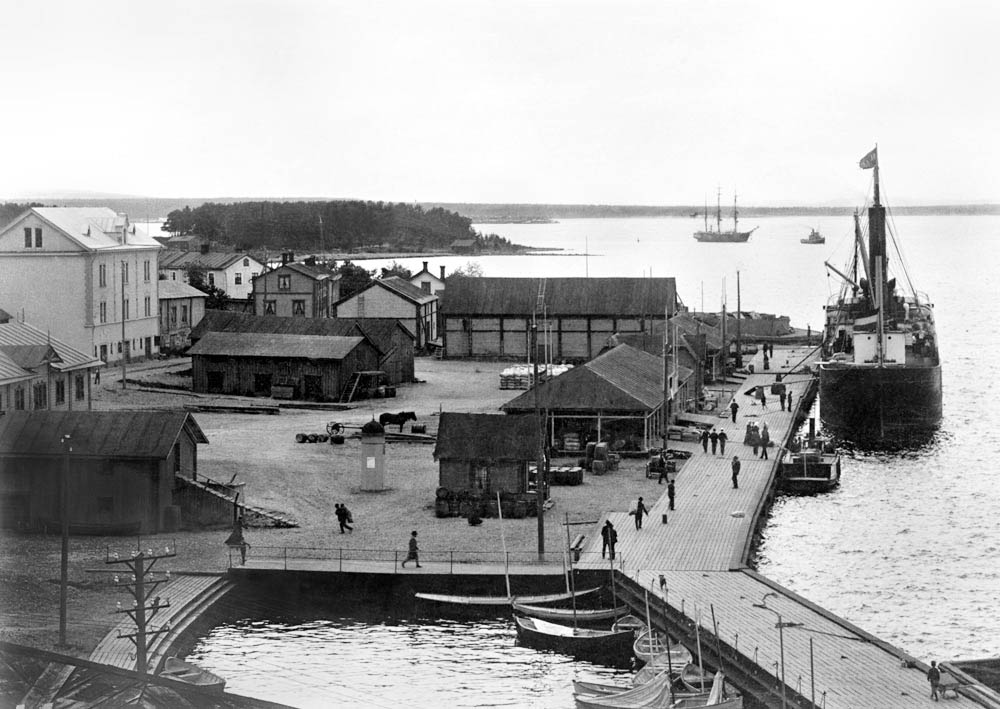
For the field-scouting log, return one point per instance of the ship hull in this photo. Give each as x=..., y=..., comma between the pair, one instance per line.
x=879, y=402
x=723, y=236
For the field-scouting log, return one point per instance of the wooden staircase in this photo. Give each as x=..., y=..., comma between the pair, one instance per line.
x=350, y=389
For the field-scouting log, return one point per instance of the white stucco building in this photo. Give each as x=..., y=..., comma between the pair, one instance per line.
x=229, y=271
x=86, y=275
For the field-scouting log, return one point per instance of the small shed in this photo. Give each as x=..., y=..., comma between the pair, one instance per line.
x=485, y=453
x=314, y=367
x=121, y=465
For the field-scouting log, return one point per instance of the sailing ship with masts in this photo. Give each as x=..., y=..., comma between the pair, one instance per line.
x=880, y=376
x=716, y=234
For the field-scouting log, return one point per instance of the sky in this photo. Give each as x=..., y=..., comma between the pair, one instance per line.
x=620, y=102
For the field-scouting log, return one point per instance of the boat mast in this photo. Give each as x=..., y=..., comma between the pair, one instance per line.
x=718, y=209
x=734, y=213
x=706, y=212
x=876, y=249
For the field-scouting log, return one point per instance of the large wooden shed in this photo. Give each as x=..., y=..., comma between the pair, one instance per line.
x=313, y=367
x=492, y=317
x=121, y=467
x=485, y=453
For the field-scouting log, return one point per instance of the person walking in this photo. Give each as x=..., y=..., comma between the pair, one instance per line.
x=755, y=439
x=736, y=472
x=714, y=437
x=722, y=442
x=412, y=553
x=663, y=469
x=640, y=510
x=343, y=517
x=670, y=493
x=934, y=677
x=788, y=396
x=781, y=397
x=609, y=536
x=765, y=439
x=763, y=398
x=734, y=407
x=704, y=439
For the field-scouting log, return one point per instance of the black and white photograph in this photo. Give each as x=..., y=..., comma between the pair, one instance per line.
x=562, y=354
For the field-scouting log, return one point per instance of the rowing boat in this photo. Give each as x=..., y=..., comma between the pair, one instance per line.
x=569, y=614
x=501, y=600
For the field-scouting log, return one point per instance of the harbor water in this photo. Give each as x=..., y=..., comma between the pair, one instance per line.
x=907, y=548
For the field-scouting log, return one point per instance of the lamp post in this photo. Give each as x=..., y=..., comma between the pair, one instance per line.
x=64, y=524
x=124, y=277
x=780, y=625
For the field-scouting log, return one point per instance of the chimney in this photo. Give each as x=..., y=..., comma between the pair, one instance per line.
x=442, y=273
x=425, y=267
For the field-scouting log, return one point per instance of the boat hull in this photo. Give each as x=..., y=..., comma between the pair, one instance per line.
x=879, y=402
x=606, y=647
x=723, y=236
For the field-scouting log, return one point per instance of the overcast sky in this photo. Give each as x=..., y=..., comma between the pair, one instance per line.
x=573, y=102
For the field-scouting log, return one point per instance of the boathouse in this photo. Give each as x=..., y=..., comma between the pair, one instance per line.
x=393, y=341
x=314, y=367
x=483, y=454
x=120, y=467
x=492, y=317
x=616, y=397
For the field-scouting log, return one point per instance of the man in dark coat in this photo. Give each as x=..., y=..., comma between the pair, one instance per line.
x=765, y=439
x=734, y=407
x=640, y=510
x=736, y=472
x=609, y=536
x=722, y=442
x=934, y=677
x=714, y=437
x=670, y=492
x=704, y=439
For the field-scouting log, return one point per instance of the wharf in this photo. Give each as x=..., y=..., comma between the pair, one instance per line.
x=693, y=561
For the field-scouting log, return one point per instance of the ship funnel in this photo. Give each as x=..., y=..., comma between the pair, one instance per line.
x=812, y=432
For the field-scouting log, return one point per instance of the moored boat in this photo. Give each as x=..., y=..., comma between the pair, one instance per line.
x=461, y=600
x=653, y=649
x=880, y=376
x=652, y=695
x=581, y=615
x=809, y=466
x=176, y=668
x=734, y=235
x=607, y=646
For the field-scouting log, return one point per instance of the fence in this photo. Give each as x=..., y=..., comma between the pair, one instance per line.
x=464, y=561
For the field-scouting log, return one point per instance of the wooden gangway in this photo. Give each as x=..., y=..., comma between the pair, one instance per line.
x=694, y=560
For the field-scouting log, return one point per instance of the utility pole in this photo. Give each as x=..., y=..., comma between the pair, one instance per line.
x=140, y=563
x=124, y=303
x=540, y=465
x=739, y=317
x=64, y=521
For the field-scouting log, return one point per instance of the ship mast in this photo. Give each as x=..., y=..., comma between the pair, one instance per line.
x=876, y=251
x=718, y=210
x=735, y=229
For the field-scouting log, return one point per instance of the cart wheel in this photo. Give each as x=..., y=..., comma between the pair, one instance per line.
x=333, y=428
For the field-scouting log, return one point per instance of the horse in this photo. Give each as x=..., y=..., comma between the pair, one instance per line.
x=397, y=419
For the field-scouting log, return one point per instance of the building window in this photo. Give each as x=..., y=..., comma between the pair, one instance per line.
x=27, y=237
x=60, y=391
x=425, y=286
x=173, y=314
x=173, y=275
x=246, y=263
x=211, y=278
x=145, y=271
x=124, y=273
x=184, y=314
x=19, y=398
x=104, y=312
x=269, y=308
x=104, y=353
x=102, y=275
x=78, y=386
x=238, y=278
x=38, y=238
x=41, y=395
x=284, y=282
x=125, y=308
x=148, y=306
x=298, y=307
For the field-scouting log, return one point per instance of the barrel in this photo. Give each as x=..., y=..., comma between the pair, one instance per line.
x=300, y=438
x=442, y=493
x=520, y=510
x=601, y=451
x=322, y=438
x=490, y=509
x=418, y=428
x=442, y=508
x=465, y=507
x=337, y=440
x=599, y=467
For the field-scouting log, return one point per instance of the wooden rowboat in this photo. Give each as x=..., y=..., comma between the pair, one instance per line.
x=568, y=614
x=501, y=600
x=607, y=646
x=176, y=668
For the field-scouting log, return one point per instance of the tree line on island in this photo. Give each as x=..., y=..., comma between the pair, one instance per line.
x=333, y=226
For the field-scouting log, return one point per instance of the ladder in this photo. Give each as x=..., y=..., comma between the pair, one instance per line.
x=352, y=386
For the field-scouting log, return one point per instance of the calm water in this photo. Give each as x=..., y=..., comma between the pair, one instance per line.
x=908, y=547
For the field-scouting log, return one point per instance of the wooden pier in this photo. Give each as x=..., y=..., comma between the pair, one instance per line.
x=692, y=565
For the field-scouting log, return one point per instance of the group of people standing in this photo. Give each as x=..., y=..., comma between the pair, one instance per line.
x=758, y=437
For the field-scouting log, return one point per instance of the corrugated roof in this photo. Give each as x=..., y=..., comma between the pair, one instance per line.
x=15, y=334
x=379, y=330
x=94, y=228
x=167, y=289
x=212, y=261
x=111, y=434
x=622, y=379
x=486, y=437
x=609, y=297
x=406, y=289
x=257, y=344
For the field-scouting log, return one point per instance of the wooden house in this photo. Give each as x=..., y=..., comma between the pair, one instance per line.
x=393, y=341
x=428, y=282
x=616, y=397
x=397, y=298
x=181, y=308
x=298, y=290
x=231, y=272
x=485, y=453
x=38, y=371
x=492, y=317
x=316, y=367
x=120, y=467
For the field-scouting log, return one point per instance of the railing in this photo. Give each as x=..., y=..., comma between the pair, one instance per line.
x=341, y=559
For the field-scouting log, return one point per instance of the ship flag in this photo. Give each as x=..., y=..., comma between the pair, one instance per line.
x=870, y=160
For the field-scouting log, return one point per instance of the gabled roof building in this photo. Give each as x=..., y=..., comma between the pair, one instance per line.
x=397, y=298
x=230, y=271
